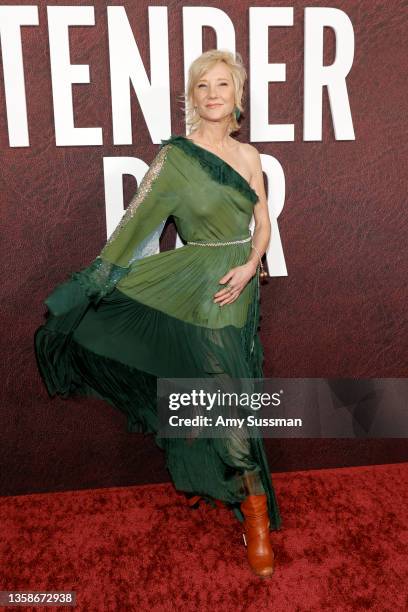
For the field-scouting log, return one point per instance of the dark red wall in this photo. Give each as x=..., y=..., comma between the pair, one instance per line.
x=340, y=312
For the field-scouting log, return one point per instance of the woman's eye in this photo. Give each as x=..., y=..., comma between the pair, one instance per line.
x=204, y=85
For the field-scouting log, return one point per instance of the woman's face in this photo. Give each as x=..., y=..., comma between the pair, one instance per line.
x=214, y=93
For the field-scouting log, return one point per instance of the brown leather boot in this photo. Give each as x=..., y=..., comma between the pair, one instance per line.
x=257, y=536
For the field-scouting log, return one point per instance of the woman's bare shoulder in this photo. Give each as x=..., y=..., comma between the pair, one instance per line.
x=248, y=149
x=251, y=155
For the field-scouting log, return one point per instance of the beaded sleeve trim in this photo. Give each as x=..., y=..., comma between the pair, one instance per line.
x=142, y=191
x=216, y=167
x=99, y=278
x=102, y=276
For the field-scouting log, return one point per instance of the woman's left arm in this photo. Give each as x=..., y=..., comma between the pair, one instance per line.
x=262, y=231
x=238, y=277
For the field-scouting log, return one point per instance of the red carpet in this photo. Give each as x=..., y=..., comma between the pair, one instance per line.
x=343, y=546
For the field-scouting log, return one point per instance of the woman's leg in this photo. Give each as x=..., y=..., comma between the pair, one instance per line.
x=238, y=449
x=253, y=482
x=254, y=507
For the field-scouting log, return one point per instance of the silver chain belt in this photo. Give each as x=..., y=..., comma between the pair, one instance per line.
x=220, y=243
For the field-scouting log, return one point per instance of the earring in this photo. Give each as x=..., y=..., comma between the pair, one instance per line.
x=237, y=113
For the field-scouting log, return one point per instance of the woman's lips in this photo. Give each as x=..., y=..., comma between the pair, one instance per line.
x=213, y=105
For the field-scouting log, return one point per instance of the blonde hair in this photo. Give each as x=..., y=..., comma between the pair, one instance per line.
x=198, y=68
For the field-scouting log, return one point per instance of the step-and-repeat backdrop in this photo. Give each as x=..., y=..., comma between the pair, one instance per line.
x=87, y=92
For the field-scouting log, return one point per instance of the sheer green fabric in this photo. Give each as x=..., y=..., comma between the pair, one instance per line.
x=135, y=314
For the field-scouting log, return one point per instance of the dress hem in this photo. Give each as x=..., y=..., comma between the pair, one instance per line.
x=123, y=387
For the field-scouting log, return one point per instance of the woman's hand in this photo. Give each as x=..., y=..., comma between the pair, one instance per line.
x=236, y=280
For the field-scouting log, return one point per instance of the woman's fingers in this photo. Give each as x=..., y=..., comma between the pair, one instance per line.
x=229, y=298
x=231, y=291
x=224, y=293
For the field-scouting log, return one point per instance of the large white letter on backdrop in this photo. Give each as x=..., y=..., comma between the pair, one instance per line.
x=276, y=200
x=11, y=20
x=262, y=73
x=333, y=76
x=126, y=66
x=63, y=74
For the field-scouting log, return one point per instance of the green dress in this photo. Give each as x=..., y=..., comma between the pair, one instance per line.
x=135, y=314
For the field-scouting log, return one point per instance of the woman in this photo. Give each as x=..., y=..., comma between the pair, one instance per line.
x=135, y=314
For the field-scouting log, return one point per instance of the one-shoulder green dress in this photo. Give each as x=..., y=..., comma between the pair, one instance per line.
x=136, y=314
